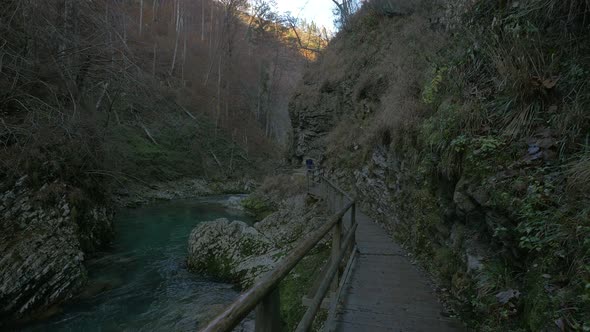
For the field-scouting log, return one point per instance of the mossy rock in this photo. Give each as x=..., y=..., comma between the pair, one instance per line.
x=258, y=207
x=230, y=251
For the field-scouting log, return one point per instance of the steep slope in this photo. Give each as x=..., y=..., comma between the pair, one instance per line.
x=461, y=126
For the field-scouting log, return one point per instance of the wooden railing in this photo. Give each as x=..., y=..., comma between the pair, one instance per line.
x=264, y=295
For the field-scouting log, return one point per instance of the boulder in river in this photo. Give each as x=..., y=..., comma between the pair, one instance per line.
x=236, y=252
x=232, y=251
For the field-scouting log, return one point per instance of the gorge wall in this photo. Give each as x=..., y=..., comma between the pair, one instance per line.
x=47, y=231
x=459, y=133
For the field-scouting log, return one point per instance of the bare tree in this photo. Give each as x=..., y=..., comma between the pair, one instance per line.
x=154, y=11
x=202, y=21
x=179, y=22
x=292, y=21
x=345, y=10
x=140, y=17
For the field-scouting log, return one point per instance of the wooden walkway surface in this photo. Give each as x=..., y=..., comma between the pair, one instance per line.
x=385, y=291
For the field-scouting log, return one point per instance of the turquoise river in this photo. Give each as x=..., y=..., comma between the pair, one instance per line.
x=142, y=283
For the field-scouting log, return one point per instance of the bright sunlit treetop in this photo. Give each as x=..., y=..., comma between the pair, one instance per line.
x=319, y=11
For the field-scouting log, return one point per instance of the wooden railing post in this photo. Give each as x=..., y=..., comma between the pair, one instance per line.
x=353, y=222
x=268, y=313
x=341, y=205
x=336, y=236
x=324, y=188
x=328, y=199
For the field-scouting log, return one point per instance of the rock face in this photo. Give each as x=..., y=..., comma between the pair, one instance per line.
x=312, y=119
x=43, y=241
x=236, y=252
x=382, y=185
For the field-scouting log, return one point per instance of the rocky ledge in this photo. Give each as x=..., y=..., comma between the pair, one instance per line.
x=136, y=194
x=239, y=253
x=45, y=235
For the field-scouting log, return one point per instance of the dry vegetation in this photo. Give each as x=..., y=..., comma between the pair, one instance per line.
x=274, y=190
x=110, y=90
x=389, y=75
x=490, y=95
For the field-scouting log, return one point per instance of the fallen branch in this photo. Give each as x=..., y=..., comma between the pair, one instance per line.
x=186, y=111
x=148, y=133
x=217, y=160
x=104, y=91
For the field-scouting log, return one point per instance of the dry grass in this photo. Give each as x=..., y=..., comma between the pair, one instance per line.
x=280, y=187
x=370, y=81
x=387, y=90
x=578, y=175
x=516, y=76
x=406, y=68
x=526, y=74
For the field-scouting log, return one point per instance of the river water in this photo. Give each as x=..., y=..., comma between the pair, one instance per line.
x=142, y=283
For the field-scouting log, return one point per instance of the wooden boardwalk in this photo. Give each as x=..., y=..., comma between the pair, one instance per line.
x=380, y=290
x=385, y=291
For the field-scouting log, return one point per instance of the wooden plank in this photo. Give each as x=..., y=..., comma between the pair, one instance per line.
x=386, y=291
x=423, y=309
x=355, y=327
x=397, y=322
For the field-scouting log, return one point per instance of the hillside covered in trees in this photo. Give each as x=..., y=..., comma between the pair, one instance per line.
x=100, y=99
x=117, y=84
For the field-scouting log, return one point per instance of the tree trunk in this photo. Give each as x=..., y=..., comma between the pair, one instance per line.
x=212, y=51
x=154, y=11
x=125, y=29
x=174, y=56
x=218, y=108
x=154, y=63
x=178, y=17
x=184, y=57
x=227, y=97
x=106, y=13
x=140, y=17
x=178, y=22
x=202, y=21
x=211, y=32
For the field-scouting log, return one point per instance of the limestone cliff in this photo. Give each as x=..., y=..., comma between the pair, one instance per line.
x=45, y=236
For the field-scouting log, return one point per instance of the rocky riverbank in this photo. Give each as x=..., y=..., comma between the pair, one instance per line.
x=236, y=252
x=48, y=230
x=45, y=236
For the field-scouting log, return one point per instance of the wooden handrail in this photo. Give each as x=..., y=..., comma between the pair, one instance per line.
x=333, y=185
x=246, y=302
x=307, y=320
